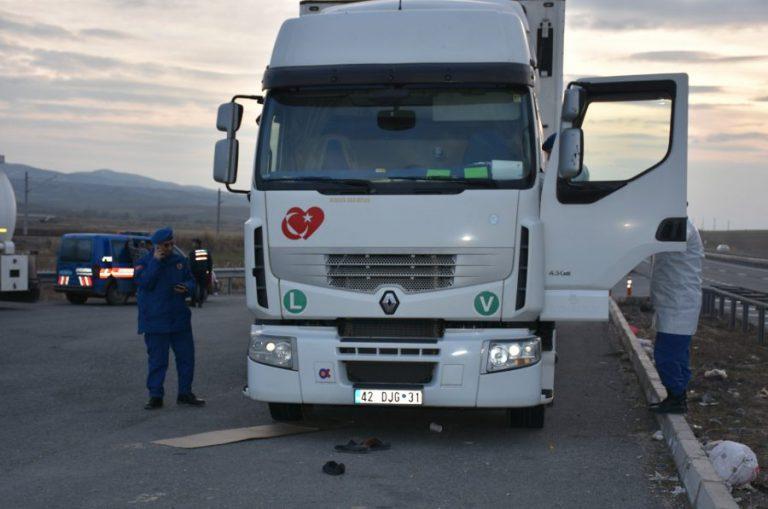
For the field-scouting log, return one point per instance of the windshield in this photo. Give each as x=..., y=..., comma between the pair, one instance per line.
x=75, y=249
x=483, y=137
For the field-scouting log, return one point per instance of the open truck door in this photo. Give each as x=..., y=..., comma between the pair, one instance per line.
x=615, y=189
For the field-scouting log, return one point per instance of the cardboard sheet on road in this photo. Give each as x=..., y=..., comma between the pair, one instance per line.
x=228, y=436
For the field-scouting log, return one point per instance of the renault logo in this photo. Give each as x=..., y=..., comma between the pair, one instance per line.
x=389, y=302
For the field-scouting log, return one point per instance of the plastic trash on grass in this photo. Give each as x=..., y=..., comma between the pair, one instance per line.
x=734, y=462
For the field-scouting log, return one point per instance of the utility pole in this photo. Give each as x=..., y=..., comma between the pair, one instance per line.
x=714, y=223
x=729, y=225
x=26, y=201
x=218, y=212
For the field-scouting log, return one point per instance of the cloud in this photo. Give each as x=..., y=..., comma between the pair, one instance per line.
x=735, y=137
x=33, y=29
x=705, y=89
x=694, y=57
x=655, y=14
x=103, y=33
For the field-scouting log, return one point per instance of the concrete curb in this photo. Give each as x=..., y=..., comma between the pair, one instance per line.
x=704, y=487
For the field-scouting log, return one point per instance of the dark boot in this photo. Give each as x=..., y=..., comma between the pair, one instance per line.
x=673, y=404
x=154, y=403
x=190, y=399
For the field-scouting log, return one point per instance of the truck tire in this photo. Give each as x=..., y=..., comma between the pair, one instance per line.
x=76, y=298
x=286, y=411
x=114, y=296
x=529, y=417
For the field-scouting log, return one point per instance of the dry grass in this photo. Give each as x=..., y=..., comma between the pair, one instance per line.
x=741, y=412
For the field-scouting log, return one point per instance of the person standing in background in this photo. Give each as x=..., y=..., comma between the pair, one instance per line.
x=202, y=264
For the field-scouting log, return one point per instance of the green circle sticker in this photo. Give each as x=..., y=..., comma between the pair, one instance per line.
x=295, y=301
x=486, y=303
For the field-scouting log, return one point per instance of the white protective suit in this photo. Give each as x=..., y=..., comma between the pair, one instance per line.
x=676, y=287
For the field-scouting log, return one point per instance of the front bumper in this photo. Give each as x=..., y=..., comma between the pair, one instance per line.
x=457, y=379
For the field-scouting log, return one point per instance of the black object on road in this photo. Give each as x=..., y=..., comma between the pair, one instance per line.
x=333, y=468
x=367, y=445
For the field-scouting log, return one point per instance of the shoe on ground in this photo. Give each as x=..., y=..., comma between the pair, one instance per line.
x=671, y=405
x=154, y=403
x=190, y=399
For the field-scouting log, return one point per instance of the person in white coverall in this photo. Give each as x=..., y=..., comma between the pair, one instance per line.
x=676, y=297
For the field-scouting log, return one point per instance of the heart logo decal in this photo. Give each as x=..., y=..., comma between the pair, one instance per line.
x=298, y=224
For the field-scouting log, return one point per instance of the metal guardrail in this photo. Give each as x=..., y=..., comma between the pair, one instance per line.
x=714, y=300
x=222, y=274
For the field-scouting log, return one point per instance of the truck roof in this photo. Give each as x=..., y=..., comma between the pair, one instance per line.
x=423, y=31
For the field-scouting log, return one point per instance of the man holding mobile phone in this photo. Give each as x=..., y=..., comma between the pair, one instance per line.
x=164, y=281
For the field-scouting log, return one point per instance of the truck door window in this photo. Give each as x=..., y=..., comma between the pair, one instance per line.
x=623, y=139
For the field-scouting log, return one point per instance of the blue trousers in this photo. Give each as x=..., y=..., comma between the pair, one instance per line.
x=673, y=356
x=157, y=350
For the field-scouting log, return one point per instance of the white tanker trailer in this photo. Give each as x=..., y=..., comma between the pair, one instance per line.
x=17, y=273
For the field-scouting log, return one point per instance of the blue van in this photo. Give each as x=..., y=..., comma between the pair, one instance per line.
x=99, y=265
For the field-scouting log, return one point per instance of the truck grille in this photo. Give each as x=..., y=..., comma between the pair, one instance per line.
x=414, y=273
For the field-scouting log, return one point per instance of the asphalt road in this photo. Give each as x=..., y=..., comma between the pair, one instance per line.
x=739, y=275
x=73, y=432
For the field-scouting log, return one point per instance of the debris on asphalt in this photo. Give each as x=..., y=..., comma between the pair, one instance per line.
x=333, y=468
x=716, y=374
x=371, y=444
x=763, y=392
x=435, y=427
x=734, y=462
x=657, y=477
x=707, y=399
x=228, y=436
x=658, y=436
x=678, y=490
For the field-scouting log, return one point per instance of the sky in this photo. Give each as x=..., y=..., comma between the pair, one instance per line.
x=133, y=85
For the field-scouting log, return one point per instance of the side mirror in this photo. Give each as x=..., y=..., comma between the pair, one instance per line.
x=571, y=152
x=571, y=104
x=225, y=155
x=229, y=118
x=225, y=161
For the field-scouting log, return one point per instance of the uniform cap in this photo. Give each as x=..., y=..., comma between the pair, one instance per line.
x=162, y=235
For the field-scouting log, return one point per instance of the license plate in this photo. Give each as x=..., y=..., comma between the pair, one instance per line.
x=406, y=397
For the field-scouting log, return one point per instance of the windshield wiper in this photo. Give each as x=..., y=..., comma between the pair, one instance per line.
x=442, y=180
x=358, y=183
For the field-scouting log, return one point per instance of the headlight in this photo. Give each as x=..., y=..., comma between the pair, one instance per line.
x=512, y=354
x=279, y=351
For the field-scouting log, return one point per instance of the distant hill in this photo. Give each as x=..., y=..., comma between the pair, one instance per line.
x=124, y=197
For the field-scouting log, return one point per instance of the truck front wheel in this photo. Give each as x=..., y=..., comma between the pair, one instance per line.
x=285, y=411
x=529, y=417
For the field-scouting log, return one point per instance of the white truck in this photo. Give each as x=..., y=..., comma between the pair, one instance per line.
x=410, y=240
x=17, y=272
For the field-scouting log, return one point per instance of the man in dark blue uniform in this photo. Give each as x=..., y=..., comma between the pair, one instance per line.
x=164, y=280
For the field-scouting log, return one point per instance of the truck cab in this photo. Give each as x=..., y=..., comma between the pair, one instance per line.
x=409, y=242
x=98, y=265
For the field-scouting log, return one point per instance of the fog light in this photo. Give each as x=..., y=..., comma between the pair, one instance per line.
x=275, y=351
x=512, y=354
